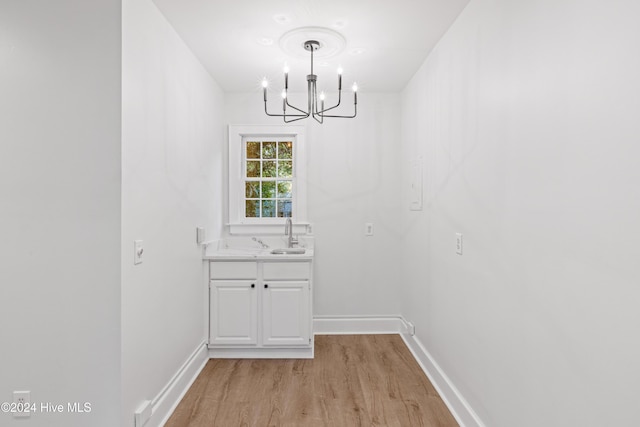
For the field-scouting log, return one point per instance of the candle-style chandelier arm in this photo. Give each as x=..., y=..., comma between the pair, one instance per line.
x=297, y=109
x=284, y=114
x=355, y=105
x=335, y=106
x=355, y=112
x=355, y=109
x=285, y=97
x=302, y=116
x=285, y=94
x=285, y=102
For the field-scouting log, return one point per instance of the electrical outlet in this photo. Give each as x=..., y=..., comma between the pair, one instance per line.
x=411, y=328
x=143, y=413
x=22, y=401
x=459, y=243
x=368, y=229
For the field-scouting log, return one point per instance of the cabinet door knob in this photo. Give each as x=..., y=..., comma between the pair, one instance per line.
x=253, y=285
x=266, y=286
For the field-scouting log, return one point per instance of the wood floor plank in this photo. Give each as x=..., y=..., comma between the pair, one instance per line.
x=354, y=380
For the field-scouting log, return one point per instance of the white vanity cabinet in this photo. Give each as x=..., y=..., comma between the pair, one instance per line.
x=260, y=308
x=233, y=303
x=234, y=310
x=286, y=313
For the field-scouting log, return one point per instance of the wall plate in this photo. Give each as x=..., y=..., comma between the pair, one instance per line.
x=138, y=250
x=416, y=185
x=368, y=229
x=200, y=235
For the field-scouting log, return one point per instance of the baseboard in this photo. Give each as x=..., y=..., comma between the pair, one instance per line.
x=168, y=399
x=459, y=407
x=260, y=353
x=354, y=325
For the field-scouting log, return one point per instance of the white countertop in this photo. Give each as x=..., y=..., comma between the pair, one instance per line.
x=265, y=254
x=241, y=249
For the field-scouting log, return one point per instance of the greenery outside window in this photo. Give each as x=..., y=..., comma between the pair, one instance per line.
x=268, y=177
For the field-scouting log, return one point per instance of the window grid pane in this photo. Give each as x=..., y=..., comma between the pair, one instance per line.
x=268, y=179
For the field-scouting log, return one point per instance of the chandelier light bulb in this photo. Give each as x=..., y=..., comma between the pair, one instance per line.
x=265, y=83
x=284, y=94
x=286, y=69
x=340, y=70
x=355, y=87
x=321, y=96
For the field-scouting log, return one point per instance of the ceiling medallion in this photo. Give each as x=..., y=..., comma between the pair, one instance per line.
x=331, y=42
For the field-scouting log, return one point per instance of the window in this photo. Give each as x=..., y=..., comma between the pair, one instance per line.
x=267, y=178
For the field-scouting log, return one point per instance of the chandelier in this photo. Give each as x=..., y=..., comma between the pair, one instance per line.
x=312, y=109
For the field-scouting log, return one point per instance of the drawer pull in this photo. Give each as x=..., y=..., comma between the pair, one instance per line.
x=266, y=286
x=253, y=285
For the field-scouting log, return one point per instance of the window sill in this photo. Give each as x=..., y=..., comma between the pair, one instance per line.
x=299, y=228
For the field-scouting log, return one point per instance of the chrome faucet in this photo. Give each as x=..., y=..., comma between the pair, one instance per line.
x=288, y=231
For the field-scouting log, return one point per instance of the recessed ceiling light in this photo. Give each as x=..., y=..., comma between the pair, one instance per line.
x=265, y=41
x=282, y=18
x=357, y=51
x=340, y=23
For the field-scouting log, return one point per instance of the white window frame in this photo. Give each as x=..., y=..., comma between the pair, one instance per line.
x=238, y=224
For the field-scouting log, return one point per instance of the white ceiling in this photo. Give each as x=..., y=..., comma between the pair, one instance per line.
x=394, y=38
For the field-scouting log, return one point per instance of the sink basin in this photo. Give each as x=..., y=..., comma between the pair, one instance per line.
x=285, y=251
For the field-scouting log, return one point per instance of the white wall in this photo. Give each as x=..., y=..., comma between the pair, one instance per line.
x=527, y=116
x=353, y=178
x=172, y=158
x=60, y=208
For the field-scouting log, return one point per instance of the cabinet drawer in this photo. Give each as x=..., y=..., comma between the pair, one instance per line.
x=286, y=270
x=233, y=270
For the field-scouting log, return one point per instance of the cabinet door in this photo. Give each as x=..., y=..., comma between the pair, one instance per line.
x=286, y=313
x=233, y=312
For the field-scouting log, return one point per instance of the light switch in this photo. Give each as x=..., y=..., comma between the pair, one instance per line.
x=459, y=243
x=22, y=402
x=138, y=250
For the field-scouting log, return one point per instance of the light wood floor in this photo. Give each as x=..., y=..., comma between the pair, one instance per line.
x=354, y=380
